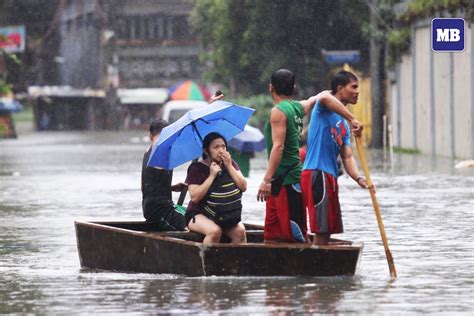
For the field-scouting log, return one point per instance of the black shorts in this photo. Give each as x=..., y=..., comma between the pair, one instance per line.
x=190, y=214
x=163, y=212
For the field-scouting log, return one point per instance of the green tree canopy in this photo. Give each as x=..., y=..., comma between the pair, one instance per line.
x=246, y=40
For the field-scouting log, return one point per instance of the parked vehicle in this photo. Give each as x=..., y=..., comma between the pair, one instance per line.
x=174, y=109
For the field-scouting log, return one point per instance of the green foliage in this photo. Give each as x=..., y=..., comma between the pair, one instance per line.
x=5, y=88
x=246, y=40
x=403, y=150
x=418, y=9
x=261, y=103
x=399, y=40
x=10, y=59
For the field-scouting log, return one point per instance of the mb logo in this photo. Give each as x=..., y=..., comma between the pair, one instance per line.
x=447, y=35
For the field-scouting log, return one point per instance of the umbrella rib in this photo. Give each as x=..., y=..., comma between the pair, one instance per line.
x=207, y=122
x=193, y=123
x=197, y=130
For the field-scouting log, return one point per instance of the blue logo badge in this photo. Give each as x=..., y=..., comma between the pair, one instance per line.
x=447, y=35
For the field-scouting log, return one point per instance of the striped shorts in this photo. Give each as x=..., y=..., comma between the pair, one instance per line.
x=320, y=194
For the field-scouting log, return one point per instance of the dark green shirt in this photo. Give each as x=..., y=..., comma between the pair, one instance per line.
x=294, y=125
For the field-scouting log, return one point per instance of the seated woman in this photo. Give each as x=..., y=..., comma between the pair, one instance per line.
x=215, y=184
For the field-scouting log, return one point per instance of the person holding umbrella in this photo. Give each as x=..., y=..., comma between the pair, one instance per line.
x=215, y=185
x=156, y=186
x=285, y=217
x=185, y=140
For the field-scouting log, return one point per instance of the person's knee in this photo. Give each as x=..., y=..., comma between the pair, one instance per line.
x=239, y=234
x=215, y=233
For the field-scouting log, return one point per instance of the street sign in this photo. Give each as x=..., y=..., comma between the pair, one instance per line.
x=341, y=56
x=12, y=39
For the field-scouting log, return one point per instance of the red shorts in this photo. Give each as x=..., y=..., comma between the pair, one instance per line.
x=321, y=198
x=280, y=209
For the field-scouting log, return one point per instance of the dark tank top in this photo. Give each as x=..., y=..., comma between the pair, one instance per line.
x=155, y=182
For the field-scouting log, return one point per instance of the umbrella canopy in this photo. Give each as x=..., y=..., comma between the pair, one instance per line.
x=188, y=90
x=249, y=141
x=182, y=141
x=10, y=105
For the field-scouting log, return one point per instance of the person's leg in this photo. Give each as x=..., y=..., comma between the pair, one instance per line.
x=163, y=212
x=174, y=219
x=203, y=225
x=321, y=239
x=315, y=200
x=334, y=213
x=236, y=233
x=326, y=211
x=271, y=219
x=277, y=218
x=297, y=213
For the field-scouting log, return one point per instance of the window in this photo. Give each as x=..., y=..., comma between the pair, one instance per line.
x=68, y=25
x=121, y=28
x=153, y=26
x=90, y=20
x=80, y=21
x=180, y=28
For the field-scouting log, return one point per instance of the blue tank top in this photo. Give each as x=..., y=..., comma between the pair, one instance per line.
x=327, y=133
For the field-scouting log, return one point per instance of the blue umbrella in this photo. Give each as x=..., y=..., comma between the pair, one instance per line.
x=10, y=105
x=249, y=141
x=182, y=141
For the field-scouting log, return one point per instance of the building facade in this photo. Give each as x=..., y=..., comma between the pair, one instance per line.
x=155, y=46
x=113, y=47
x=131, y=44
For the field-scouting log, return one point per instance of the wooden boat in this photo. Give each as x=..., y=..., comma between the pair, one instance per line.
x=141, y=247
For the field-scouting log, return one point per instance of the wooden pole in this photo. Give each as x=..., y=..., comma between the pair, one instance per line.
x=363, y=161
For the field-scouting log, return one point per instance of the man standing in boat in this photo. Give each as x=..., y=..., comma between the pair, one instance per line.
x=285, y=218
x=157, y=204
x=328, y=136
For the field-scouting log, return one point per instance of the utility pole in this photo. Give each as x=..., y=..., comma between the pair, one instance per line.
x=109, y=61
x=378, y=45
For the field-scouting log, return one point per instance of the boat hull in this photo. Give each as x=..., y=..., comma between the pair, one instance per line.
x=139, y=247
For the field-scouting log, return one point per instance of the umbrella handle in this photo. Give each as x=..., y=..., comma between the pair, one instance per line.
x=182, y=195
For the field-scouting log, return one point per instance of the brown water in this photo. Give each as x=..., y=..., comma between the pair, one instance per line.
x=50, y=179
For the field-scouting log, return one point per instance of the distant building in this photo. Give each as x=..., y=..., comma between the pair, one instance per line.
x=154, y=43
x=114, y=46
x=135, y=44
x=39, y=66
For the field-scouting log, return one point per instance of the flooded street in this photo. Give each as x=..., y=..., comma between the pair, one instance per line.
x=50, y=179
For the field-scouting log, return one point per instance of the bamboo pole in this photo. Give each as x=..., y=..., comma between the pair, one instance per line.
x=363, y=161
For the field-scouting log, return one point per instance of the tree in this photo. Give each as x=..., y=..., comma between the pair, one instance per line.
x=7, y=62
x=246, y=40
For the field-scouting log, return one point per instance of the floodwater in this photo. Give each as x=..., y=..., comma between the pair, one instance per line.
x=50, y=179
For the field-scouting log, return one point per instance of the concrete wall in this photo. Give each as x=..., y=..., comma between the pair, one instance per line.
x=432, y=102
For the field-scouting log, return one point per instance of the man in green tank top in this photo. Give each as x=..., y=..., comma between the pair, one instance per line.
x=285, y=218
